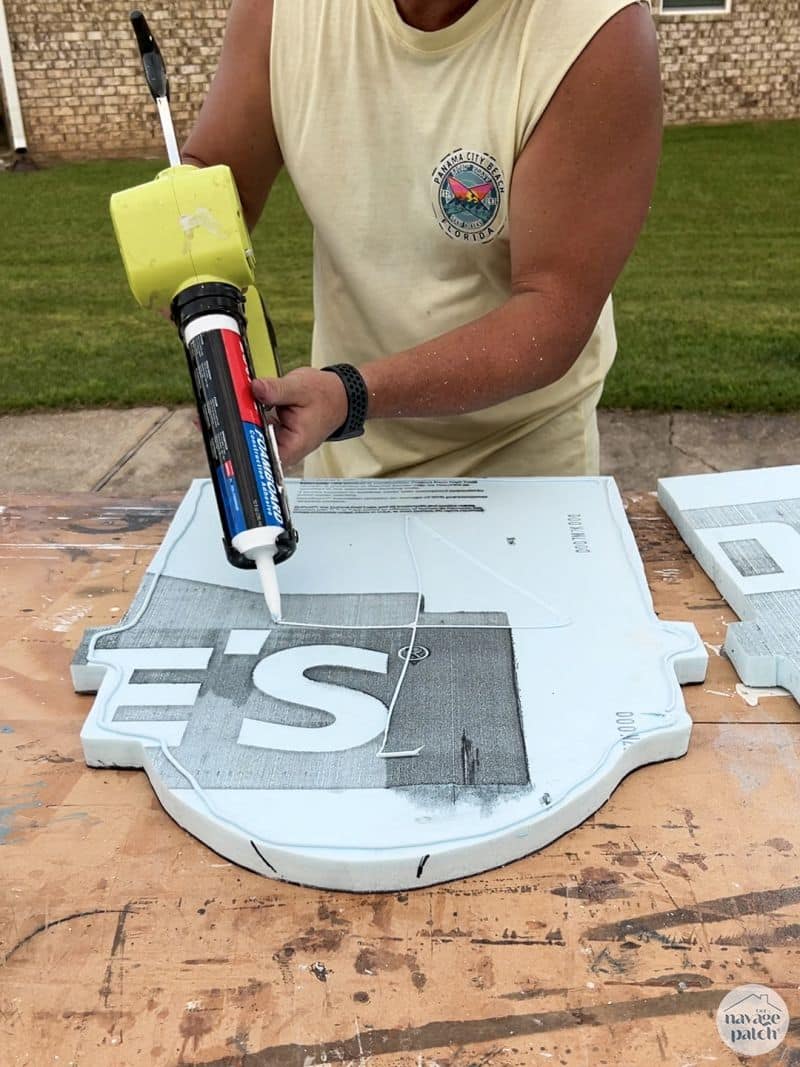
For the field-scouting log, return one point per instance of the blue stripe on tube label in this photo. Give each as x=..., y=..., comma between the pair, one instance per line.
x=265, y=479
x=231, y=500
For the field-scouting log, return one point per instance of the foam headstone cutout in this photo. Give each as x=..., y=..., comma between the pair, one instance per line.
x=465, y=670
x=744, y=529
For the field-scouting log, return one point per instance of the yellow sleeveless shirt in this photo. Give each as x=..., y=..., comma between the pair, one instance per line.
x=401, y=145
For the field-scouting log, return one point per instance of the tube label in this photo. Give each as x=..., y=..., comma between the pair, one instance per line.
x=235, y=441
x=253, y=429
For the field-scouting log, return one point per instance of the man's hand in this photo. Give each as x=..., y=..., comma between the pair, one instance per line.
x=309, y=405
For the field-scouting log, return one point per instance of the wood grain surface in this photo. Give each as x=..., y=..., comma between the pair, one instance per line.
x=123, y=940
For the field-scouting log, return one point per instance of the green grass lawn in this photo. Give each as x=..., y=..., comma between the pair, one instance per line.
x=708, y=314
x=707, y=309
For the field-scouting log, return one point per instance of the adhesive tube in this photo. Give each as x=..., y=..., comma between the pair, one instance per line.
x=241, y=451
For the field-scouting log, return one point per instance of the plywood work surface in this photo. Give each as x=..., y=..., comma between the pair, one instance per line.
x=123, y=940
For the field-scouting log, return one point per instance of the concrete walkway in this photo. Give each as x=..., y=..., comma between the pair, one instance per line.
x=147, y=452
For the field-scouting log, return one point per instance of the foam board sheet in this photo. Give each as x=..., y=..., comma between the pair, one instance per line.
x=465, y=670
x=744, y=529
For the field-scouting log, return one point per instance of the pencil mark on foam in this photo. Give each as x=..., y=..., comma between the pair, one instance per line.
x=561, y=620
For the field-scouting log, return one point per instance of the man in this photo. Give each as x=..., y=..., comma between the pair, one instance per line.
x=477, y=173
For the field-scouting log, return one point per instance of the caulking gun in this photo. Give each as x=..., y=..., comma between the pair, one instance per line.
x=185, y=246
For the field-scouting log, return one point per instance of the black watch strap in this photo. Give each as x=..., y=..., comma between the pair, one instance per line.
x=357, y=401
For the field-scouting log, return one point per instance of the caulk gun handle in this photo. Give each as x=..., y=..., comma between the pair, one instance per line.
x=154, y=67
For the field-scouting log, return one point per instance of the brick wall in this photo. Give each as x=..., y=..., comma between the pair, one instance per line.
x=80, y=80
x=83, y=94
x=736, y=66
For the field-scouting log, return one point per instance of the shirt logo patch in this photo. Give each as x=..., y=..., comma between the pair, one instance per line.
x=468, y=196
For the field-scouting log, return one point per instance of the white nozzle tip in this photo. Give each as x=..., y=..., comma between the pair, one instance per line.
x=269, y=583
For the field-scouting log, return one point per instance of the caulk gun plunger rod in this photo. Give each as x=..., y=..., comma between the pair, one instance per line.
x=164, y=113
x=155, y=72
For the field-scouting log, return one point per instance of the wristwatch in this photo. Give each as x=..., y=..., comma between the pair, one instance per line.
x=357, y=401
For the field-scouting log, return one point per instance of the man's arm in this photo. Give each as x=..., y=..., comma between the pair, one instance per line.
x=579, y=195
x=235, y=122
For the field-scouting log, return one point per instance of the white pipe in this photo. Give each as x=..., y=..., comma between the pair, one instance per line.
x=17, y=127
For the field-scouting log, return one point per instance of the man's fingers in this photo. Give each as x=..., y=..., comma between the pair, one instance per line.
x=288, y=447
x=278, y=392
x=309, y=405
x=267, y=391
